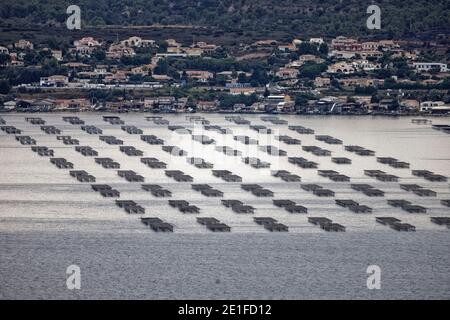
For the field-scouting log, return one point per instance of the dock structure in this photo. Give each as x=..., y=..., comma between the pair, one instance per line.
x=421, y=121
x=353, y=206
x=303, y=163
x=228, y=151
x=50, y=130
x=407, y=206
x=301, y=130
x=35, y=121
x=114, y=120
x=199, y=163
x=381, y=175
x=442, y=221
x=317, y=190
x=86, y=151
x=367, y=189
x=26, y=140
x=238, y=206
x=410, y=187
x=288, y=140
x=360, y=151
x=207, y=190
x=341, y=160
x=92, y=130
x=154, y=163
x=82, y=176
x=179, y=129
x=393, y=162
x=445, y=203
x=428, y=175
x=107, y=163
x=317, y=151
x=257, y=190
x=346, y=203
x=290, y=206
x=418, y=190
x=425, y=192
x=105, y=190
x=326, y=224
x=152, y=139
x=111, y=140
x=246, y=140
x=10, y=130
x=328, y=139
x=271, y=224
x=184, y=206
x=256, y=163
x=61, y=163
x=238, y=120
x=130, y=176
x=132, y=130
x=68, y=140
x=130, y=206
x=286, y=176
x=333, y=175
x=213, y=224
x=203, y=139
x=179, y=176
x=73, y=120
x=261, y=129
x=43, y=151
x=218, y=129
x=273, y=151
x=157, y=225
x=157, y=190
x=226, y=175
x=395, y=224
x=174, y=150
x=131, y=151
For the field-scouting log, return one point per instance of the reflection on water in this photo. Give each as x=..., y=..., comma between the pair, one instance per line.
x=48, y=216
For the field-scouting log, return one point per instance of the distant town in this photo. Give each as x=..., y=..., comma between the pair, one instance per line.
x=342, y=76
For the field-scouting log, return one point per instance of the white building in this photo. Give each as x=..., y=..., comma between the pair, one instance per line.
x=429, y=66
x=434, y=107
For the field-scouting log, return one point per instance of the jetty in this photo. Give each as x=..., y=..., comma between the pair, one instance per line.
x=107, y=163
x=61, y=163
x=157, y=190
x=111, y=140
x=183, y=206
x=175, y=151
x=154, y=163
x=82, y=176
x=43, y=151
x=91, y=129
x=130, y=176
x=256, y=163
x=131, y=151
x=152, y=139
x=286, y=176
x=130, y=207
x=157, y=225
x=50, y=130
x=272, y=150
x=213, y=224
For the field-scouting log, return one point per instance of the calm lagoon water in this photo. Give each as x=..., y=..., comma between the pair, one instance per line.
x=49, y=221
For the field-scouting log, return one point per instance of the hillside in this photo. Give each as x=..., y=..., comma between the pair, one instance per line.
x=299, y=17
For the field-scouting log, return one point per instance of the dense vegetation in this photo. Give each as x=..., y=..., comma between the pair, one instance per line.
x=325, y=17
